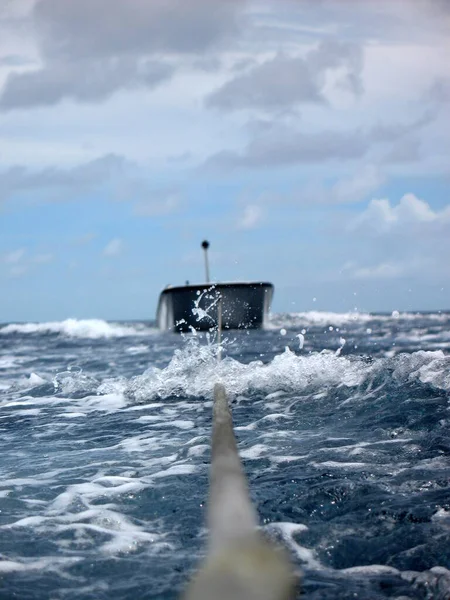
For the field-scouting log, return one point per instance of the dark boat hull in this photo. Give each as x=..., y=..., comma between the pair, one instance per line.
x=243, y=306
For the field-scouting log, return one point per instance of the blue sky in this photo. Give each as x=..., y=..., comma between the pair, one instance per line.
x=308, y=141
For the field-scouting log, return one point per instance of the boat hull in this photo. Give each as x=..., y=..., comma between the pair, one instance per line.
x=243, y=306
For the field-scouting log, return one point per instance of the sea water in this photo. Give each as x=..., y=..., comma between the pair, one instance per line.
x=343, y=425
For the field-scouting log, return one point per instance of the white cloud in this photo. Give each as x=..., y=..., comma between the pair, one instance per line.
x=351, y=188
x=383, y=270
x=409, y=240
x=85, y=239
x=407, y=216
x=356, y=188
x=251, y=217
x=20, y=261
x=18, y=271
x=113, y=248
x=152, y=203
x=42, y=259
x=12, y=258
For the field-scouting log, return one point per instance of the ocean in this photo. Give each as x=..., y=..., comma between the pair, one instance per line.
x=343, y=425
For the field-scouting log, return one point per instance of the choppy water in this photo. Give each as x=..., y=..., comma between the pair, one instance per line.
x=104, y=432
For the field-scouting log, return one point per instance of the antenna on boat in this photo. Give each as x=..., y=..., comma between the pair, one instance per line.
x=205, y=246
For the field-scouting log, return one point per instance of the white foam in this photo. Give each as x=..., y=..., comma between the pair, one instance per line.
x=441, y=571
x=72, y=415
x=44, y=564
x=324, y=318
x=441, y=514
x=93, y=490
x=35, y=380
x=149, y=419
x=105, y=403
x=124, y=535
x=332, y=464
x=371, y=570
x=40, y=480
x=141, y=443
x=140, y=349
x=287, y=531
x=427, y=367
x=7, y=362
x=30, y=412
x=287, y=458
x=193, y=369
x=198, y=450
x=28, y=521
x=182, y=424
x=254, y=452
x=79, y=328
x=176, y=470
x=318, y=318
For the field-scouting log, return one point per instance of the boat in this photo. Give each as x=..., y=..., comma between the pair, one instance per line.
x=206, y=306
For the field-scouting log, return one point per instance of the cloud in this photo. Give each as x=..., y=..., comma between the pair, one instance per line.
x=384, y=270
x=82, y=80
x=382, y=132
x=351, y=189
x=409, y=215
x=280, y=147
x=280, y=82
x=88, y=28
x=14, y=257
x=113, y=248
x=92, y=48
x=88, y=175
x=19, y=261
x=251, y=217
x=409, y=239
x=278, y=144
x=109, y=176
x=179, y=158
x=14, y=60
x=17, y=271
x=85, y=239
x=43, y=259
x=439, y=93
x=356, y=188
x=286, y=81
x=152, y=203
x=401, y=20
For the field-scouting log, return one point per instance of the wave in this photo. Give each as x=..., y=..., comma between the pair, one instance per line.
x=322, y=318
x=99, y=328
x=79, y=328
x=194, y=369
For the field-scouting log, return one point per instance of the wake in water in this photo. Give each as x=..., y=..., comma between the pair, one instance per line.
x=105, y=451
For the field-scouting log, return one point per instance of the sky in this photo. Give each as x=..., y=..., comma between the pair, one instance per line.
x=307, y=140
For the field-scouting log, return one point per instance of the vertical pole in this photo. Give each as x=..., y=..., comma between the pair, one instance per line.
x=219, y=329
x=205, y=246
